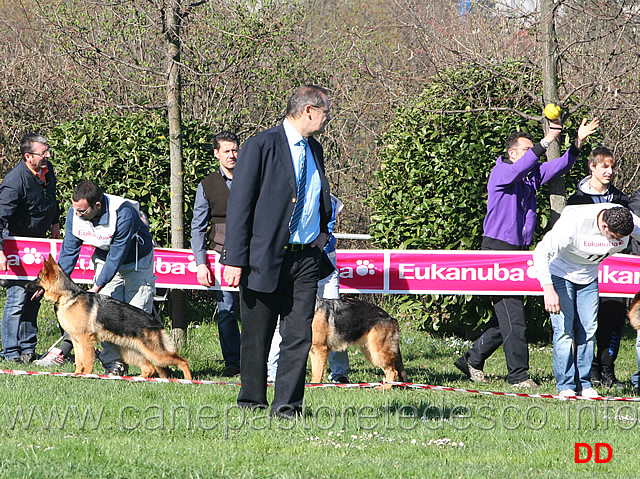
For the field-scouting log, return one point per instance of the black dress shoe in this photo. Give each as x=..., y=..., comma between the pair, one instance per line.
x=287, y=412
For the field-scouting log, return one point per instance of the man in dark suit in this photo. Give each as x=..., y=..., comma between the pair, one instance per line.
x=277, y=215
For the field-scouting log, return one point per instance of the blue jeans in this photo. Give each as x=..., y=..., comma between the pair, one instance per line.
x=228, y=327
x=578, y=320
x=19, y=321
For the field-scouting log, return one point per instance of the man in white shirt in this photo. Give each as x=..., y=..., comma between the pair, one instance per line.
x=566, y=263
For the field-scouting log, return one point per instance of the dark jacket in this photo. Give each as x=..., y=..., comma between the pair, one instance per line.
x=512, y=187
x=28, y=206
x=612, y=195
x=261, y=202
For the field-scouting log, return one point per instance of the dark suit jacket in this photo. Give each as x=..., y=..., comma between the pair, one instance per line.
x=260, y=205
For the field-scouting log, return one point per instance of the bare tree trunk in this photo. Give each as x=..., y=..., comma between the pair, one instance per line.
x=550, y=94
x=172, y=22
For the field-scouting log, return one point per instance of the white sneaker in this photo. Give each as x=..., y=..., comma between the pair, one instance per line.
x=53, y=358
x=589, y=393
x=567, y=394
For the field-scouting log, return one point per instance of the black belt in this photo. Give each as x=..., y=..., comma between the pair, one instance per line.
x=297, y=247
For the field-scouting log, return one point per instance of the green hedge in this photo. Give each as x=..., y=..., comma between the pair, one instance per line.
x=129, y=156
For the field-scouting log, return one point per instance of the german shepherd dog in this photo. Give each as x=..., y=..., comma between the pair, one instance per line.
x=89, y=317
x=337, y=323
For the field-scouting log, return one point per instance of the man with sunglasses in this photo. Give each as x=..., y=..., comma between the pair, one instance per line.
x=28, y=207
x=509, y=226
x=123, y=257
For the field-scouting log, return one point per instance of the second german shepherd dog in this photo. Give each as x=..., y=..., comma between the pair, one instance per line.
x=89, y=317
x=337, y=323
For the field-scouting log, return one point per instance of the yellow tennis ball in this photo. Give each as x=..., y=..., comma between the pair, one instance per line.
x=552, y=112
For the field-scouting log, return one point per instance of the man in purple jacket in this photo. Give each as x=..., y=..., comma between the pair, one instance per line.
x=509, y=225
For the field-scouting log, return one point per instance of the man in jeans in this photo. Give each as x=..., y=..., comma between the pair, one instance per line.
x=28, y=207
x=566, y=263
x=509, y=225
x=210, y=214
x=612, y=312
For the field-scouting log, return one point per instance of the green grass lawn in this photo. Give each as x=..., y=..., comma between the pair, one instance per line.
x=72, y=427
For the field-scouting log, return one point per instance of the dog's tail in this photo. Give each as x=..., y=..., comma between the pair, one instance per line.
x=167, y=342
x=634, y=312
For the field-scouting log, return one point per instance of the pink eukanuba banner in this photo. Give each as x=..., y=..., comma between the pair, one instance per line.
x=360, y=271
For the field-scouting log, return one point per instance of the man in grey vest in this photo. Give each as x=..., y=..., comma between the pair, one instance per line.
x=210, y=214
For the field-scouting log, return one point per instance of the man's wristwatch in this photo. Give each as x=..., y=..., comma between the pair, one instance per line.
x=544, y=143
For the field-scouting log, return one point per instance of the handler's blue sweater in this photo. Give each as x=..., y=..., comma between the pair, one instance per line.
x=123, y=246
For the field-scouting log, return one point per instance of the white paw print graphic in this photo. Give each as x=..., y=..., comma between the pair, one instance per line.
x=192, y=264
x=31, y=256
x=365, y=267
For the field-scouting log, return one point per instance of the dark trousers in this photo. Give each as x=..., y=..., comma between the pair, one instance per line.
x=506, y=327
x=228, y=327
x=611, y=318
x=294, y=302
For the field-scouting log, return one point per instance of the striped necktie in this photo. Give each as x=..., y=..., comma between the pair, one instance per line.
x=302, y=188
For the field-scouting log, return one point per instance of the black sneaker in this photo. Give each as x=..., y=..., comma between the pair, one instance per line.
x=609, y=379
x=340, y=380
x=116, y=368
x=461, y=364
x=476, y=375
x=230, y=371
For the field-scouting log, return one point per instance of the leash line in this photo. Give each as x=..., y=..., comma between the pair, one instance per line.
x=138, y=379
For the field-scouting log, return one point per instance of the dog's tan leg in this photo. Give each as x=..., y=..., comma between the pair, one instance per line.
x=381, y=349
x=153, y=351
x=165, y=358
x=319, y=352
x=402, y=373
x=135, y=357
x=147, y=370
x=78, y=356
x=85, y=353
x=182, y=364
x=89, y=355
